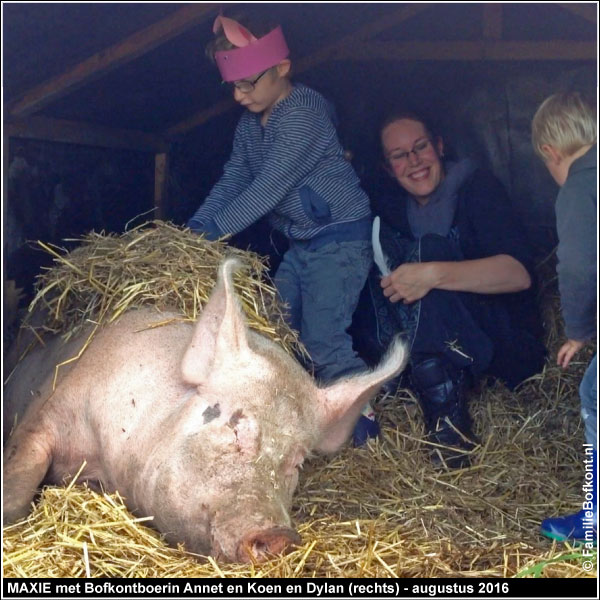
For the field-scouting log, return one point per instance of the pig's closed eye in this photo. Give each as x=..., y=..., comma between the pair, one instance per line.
x=295, y=462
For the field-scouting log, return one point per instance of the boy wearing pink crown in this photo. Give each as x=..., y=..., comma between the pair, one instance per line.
x=288, y=164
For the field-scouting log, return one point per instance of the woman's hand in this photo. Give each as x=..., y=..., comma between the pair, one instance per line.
x=499, y=274
x=409, y=282
x=567, y=351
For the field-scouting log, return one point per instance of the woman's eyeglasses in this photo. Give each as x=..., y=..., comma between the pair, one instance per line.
x=401, y=158
x=244, y=85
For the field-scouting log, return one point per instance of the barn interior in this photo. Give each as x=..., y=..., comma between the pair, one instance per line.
x=113, y=115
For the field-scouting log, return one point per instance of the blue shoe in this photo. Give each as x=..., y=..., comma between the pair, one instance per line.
x=572, y=528
x=365, y=428
x=582, y=527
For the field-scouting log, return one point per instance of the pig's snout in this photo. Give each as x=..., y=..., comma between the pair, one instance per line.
x=263, y=544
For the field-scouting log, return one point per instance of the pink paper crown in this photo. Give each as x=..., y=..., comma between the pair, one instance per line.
x=252, y=55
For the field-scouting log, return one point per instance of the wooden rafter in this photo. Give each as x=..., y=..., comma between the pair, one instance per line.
x=110, y=58
x=492, y=22
x=329, y=52
x=482, y=50
x=588, y=11
x=370, y=30
x=161, y=184
x=74, y=132
x=358, y=45
x=199, y=118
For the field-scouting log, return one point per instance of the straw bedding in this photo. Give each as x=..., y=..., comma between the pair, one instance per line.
x=156, y=264
x=379, y=511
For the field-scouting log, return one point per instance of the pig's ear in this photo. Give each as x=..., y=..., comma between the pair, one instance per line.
x=220, y=330
x=340, y=404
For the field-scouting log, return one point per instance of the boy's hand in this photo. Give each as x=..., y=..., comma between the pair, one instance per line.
x=567, y=351
x=209, y=229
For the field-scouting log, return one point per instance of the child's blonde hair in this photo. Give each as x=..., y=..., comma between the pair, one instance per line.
x=566, y=121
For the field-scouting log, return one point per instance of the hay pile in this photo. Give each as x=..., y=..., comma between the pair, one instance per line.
x=379, y=511
x=156, y=264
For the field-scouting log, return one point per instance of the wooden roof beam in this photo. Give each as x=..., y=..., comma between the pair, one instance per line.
x=370, y=30
x=112, y=57
x=327, y=53
x=492, y=22
x=86, y=134
x=586, y=11
x=484, y=50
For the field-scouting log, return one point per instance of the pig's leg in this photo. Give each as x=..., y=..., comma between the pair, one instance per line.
x=27, y=458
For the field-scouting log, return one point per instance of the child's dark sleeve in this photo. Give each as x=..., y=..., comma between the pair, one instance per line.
x=236, y=177
x=576, y=223
x=300, y=143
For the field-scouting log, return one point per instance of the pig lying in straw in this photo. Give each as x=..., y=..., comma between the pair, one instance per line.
x=202, y=426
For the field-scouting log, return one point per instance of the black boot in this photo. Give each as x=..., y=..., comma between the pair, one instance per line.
x=440, y=388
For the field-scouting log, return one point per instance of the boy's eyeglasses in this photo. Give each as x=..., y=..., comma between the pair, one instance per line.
x=244, y=85
x=401, y=158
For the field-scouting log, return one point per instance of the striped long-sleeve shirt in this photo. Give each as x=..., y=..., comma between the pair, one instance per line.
x=293, y=170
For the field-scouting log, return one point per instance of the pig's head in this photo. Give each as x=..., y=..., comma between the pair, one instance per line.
x=225, y=484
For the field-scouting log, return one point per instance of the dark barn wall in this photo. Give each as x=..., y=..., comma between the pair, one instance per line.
x=482, y=110
x=59, y=191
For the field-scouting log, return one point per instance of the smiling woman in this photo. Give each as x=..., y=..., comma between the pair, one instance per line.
x=413, y=157
x=460, y=283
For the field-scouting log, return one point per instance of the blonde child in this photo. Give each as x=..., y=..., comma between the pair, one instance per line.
x=564, y=136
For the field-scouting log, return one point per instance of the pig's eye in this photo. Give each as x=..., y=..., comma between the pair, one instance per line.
x=298, y=459
x=295, y=462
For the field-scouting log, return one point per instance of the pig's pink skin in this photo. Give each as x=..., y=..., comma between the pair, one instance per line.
x=202, y=426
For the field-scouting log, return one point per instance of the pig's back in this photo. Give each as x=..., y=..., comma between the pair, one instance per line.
x=29, y=384
x=109, y=401
x=132, y=372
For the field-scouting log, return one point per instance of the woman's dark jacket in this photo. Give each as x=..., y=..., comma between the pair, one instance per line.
x=484, y=225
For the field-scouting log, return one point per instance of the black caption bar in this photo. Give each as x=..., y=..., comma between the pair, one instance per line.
x=301, y=588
